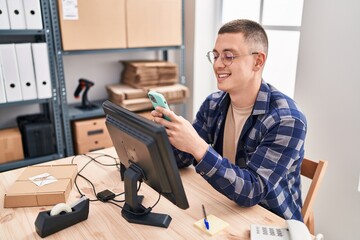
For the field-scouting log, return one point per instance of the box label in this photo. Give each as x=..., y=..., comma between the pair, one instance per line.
x=70, y=10
x=42, y=179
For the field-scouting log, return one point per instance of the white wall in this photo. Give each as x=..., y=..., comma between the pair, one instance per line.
x=327, y=89
x=200, y=34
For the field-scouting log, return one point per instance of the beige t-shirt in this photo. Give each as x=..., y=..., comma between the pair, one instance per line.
x=235, y=120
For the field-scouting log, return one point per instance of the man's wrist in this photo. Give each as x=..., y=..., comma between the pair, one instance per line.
x=201, y=151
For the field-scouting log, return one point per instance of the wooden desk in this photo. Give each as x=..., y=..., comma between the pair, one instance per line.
x=105, y=220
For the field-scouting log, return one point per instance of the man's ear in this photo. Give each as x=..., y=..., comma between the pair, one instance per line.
x=259, y=61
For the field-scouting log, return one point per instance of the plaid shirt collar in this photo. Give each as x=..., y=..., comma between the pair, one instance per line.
x=262, y=102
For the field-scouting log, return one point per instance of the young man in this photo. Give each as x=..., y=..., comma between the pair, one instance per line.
x=247, y=139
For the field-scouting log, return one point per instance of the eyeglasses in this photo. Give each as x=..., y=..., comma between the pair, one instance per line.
x=226, y=57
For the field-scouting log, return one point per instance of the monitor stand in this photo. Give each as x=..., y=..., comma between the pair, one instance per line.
x=133, y=211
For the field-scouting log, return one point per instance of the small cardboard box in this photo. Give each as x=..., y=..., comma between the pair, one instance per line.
x=11, y=148
x=90, y=135
x=93, y=145
x=26, y=193
x=90, y=130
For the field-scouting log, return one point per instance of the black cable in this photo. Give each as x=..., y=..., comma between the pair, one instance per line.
x=117, y=164
x=136, y=213
x=124, y=192
x=78, y=174
x=112, y=201
x=93, y=187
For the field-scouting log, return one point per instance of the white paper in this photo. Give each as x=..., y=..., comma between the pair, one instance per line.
x=43, y=179
x=70, y=9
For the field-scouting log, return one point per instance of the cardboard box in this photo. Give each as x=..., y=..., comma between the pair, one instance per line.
x=90, y=135
x=11, y=148
x=147, y=73
x=107, y=24
x=25, y=193
x=90, y=130
x=152, y=23
x=122, y=95
x=98, y=25
x=85, y=147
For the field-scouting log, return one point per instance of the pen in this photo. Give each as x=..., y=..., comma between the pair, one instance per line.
x=205, y=218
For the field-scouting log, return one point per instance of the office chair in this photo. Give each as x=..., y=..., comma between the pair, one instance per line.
x=314, y=171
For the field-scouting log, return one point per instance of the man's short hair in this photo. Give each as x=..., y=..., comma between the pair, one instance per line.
x=252, y=31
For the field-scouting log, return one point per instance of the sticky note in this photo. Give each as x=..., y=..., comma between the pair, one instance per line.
x=215, y=223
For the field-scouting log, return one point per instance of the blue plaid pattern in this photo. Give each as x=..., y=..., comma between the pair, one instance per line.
x=269, y=153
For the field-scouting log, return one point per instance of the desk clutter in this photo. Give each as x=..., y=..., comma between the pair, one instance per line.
x=106, y=219
x=139, y=77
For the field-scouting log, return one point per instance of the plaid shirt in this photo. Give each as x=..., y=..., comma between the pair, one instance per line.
x=268, y=157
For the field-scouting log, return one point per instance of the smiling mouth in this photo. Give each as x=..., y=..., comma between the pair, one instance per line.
x=223, y=75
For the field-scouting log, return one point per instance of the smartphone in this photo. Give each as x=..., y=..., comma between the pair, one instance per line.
x=157, y=99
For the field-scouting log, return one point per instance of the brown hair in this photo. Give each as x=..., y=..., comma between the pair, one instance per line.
x=252, y=31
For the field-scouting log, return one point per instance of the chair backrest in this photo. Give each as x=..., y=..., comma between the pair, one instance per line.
x=315, y=171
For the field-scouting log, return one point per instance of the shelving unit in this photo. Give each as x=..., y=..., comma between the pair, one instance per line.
x=69, y=111
x=48, y=106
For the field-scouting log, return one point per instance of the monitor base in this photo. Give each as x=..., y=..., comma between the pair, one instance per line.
x=150, y=218
x=133, y=211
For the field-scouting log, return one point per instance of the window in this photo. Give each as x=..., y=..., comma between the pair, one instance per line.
x=282, y=21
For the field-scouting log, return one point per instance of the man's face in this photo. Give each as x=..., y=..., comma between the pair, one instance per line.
x=240, y=73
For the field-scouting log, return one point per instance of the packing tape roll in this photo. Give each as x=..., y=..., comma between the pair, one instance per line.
x=60, y=207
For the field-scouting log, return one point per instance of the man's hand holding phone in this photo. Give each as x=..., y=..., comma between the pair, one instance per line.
x=181, y=133
x=157, y=99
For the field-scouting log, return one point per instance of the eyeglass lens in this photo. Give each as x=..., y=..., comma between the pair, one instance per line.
x=226, y=57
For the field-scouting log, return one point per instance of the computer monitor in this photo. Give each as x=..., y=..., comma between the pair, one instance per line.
x=145, y=155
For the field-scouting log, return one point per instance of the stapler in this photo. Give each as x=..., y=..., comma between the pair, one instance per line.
x=61, y=217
